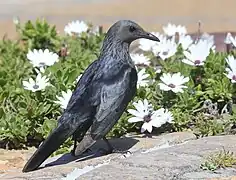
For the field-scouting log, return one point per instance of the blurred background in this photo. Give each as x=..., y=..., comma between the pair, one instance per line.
x=215, y=15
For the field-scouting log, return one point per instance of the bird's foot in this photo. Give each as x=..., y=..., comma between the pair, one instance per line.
x=111, y=149
x=102, y=152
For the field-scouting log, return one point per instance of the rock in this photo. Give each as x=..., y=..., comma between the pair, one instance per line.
x=228, y=178
x=170, y=156
x=176, y=162
x=13, y=159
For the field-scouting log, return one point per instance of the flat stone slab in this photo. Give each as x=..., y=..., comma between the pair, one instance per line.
x=170, y=156
x=177, y=162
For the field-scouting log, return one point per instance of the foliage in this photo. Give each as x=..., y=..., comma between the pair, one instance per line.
x=39, y=35
x=26, y=118
x=189, y=108
x=221, y=159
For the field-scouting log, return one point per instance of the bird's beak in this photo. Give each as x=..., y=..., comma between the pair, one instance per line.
x=150, y=36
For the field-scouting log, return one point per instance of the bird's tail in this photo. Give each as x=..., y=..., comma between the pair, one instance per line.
x=51, y=144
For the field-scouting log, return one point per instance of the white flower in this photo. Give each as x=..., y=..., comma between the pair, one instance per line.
x=76, y=27
x=173, y=82
x=172, y=29
x=38, y=84
x=185, y=41
x=228, y=38
x=209, y=38
x=231, y=61
x=40, y=70
x=168, y=116
x=16, y=20
x=95, y=30
x=166, y=48
x=231, y=71
x=146, y=45
x=233, y=40
x=143, y=108
x=197, y=53
x=142, y=78
x=158, y=69
x=144, y=112
x=40, y=58
x=161, y=116
x=64, y=99
x=140, y=59
x=232, y=76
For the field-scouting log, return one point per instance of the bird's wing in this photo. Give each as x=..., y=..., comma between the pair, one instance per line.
x=87, y=89
x=114, y=98
x=78, y=115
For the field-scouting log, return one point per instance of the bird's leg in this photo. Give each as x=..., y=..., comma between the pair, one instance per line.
x=75, y=145
x=112, y=150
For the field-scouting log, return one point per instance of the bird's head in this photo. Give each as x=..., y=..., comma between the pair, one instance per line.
x=128, y=31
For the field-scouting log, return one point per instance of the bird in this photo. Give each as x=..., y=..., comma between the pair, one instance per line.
x=101, y=95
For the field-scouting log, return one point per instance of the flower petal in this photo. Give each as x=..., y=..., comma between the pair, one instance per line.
x=146, y=126
x=134, y=119
x=164, y=87
x=135, y=113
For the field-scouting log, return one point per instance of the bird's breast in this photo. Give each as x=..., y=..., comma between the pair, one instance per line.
x=118, y=75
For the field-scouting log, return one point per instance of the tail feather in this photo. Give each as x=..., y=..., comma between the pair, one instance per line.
x=51, y=144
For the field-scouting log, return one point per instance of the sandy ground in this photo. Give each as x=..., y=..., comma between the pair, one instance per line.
x=215, y=15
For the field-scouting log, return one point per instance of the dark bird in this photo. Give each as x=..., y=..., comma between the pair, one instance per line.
x=101, y=95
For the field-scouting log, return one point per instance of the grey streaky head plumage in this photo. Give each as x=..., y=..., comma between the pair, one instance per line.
x=128, y=31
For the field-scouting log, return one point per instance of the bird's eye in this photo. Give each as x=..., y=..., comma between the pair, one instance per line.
x=132, y=28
